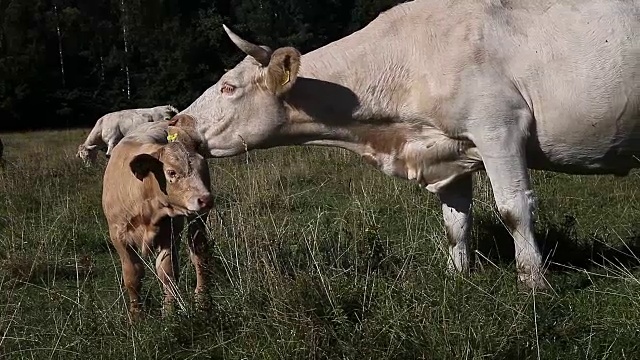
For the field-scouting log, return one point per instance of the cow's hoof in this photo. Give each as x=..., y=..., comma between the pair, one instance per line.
x=534, y=280
x=458, y=269
x=458, y=262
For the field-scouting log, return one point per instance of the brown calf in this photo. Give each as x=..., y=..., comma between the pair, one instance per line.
x=153, y=182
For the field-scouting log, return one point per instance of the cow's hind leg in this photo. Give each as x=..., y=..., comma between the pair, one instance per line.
x=198, y=252
x=516, y=205
x=501, y=140
x=457, y=200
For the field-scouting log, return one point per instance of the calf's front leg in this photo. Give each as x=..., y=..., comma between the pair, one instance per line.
x=167, y=266
x=132, y=270
x=198, y=251
x=132, y=274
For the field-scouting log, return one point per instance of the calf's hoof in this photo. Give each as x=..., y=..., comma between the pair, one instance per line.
x=201, y=302
x=168, y=308
x=135, y=314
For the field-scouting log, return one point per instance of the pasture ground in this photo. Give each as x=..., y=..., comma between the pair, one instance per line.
x=316, y=256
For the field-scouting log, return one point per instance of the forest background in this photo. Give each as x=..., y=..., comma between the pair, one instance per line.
x=65, y=63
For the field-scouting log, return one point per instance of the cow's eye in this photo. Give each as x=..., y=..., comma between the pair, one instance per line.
x=171, y=173
x=227, y=88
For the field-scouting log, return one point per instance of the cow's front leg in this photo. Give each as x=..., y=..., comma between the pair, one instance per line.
x=457, y=201
x=503, y=154
x=110, y=145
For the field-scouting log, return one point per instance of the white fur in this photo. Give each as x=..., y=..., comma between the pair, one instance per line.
x=112, y=127
x=435, y=90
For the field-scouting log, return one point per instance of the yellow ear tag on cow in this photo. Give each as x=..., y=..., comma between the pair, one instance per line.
x=172, y=137
x=287, y=77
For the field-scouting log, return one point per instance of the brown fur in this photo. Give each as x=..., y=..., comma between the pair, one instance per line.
x=283, y=60
x=146, y=205
x=183, y=120
x=185, y=127
x=384, y=141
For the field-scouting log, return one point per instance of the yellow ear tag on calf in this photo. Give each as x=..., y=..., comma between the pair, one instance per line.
x=172, y=137
x=287, y=77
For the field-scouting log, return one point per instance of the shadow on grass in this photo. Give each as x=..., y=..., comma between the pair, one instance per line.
x=23, y=268
x=563, y=250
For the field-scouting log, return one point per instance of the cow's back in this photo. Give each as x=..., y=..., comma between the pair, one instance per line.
x=577, y=65
x=573, y=64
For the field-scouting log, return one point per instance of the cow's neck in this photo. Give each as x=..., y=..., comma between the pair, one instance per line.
x=365, y=107
x=338, y=101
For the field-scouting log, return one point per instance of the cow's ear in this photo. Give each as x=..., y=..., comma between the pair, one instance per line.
x=142, y=164
x=282, y=71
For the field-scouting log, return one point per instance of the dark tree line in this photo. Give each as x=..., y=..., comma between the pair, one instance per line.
x=64, y=63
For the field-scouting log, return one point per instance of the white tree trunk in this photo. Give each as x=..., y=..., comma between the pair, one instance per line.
x=126, y=49
x=55, y=10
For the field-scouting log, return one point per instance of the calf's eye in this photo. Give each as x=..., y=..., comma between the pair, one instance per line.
x=171, y=173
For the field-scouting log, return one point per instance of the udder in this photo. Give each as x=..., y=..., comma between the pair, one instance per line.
x=430, y=164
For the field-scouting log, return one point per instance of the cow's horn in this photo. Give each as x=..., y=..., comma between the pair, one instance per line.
x=260, y=54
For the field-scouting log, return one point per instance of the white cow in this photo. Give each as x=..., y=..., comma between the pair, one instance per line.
x=112, y=127
x=434, y=90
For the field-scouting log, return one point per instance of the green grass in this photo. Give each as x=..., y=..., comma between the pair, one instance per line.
x=316, y=256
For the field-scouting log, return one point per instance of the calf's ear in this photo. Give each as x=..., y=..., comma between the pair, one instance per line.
x=183, y=120
x=142, y=164
x=188, y=136
x=282, y=70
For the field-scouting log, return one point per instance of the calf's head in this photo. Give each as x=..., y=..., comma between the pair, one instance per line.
x=181, y=173
x=245, y=108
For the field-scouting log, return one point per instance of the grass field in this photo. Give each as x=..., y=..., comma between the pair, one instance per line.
x=316, y=256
